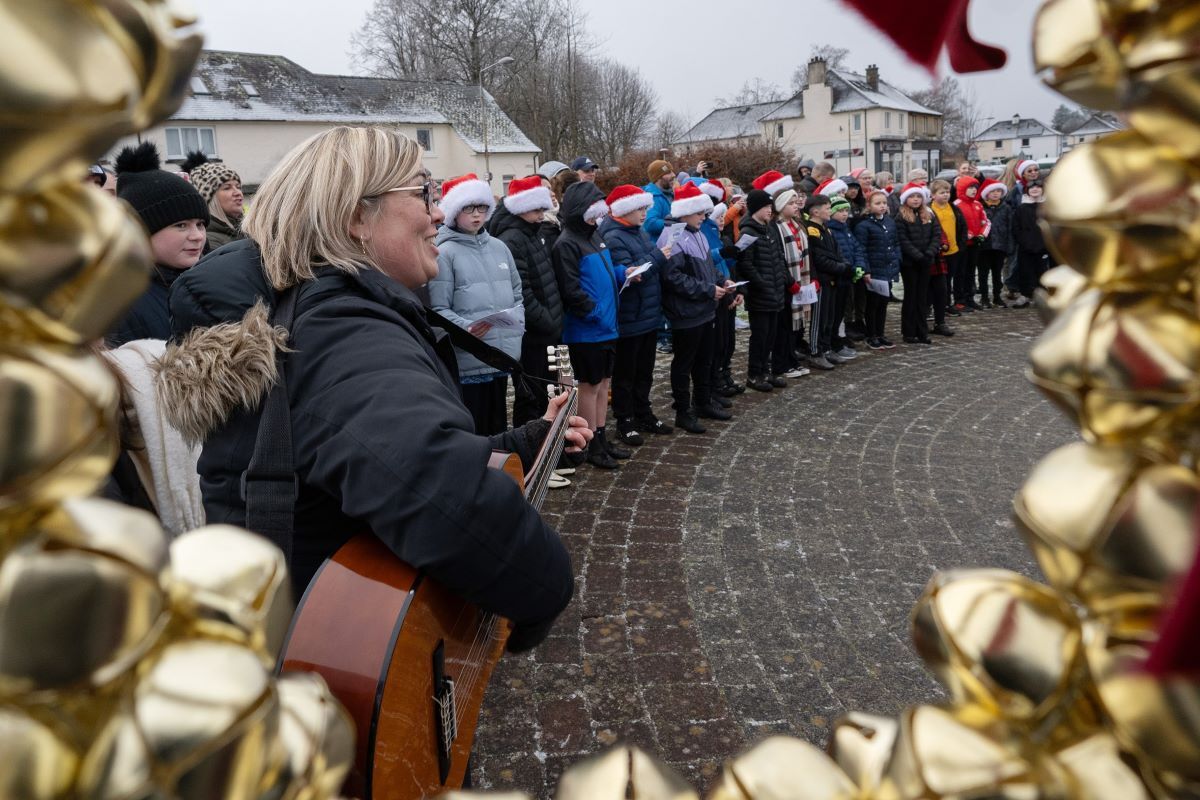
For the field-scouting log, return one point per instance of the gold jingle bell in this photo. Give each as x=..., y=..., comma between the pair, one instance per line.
x=59, y=409
x=1108, y=529
x=317, y=738
x=782, y=768
x=1074, y=43
x=618, y=771
x=81, y=602
x=1063, y=286
x=861, y=745
x=1100, y=770
x=1001, y=641
x=73, y=260
x=232, y=584
x=1124, y=212
x=35, y=763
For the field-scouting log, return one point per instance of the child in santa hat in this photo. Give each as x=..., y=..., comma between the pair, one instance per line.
x=978, y=227
x=997, y=245
x=1033, y=257
x=920, y=239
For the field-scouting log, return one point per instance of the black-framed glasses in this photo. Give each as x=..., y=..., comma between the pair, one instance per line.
x=426, y=190
x=477, y=208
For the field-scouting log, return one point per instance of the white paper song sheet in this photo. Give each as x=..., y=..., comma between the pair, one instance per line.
x=745, y=241
x=633, y=273
x=672, y=233
x=739, y=283
x=508, y=319
x=879, y=287
x=807, y=295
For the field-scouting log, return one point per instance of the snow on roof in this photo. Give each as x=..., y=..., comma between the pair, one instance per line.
x=289, y=93
x=851, y=92
x=1097, y=124
x=788, y=109
x=1025, y=127
x=733, y=122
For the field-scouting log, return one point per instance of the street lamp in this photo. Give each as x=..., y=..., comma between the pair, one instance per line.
x=487, y=159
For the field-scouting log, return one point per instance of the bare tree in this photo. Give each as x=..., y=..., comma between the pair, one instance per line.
x=1067, y=119
x=389, y=43
x=623, y=112
x=962, y=116
x=834, y=57
x=669, y=128
x=752, y=92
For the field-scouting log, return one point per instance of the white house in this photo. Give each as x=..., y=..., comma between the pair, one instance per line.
x=250, y=109
x=1019, y=137
x=1097, y=125
x=845, y=118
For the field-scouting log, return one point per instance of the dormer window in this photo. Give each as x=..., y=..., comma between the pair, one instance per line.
x=250, y=89
x=198, y=86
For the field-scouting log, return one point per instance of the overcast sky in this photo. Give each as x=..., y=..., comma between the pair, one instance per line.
x=689, y=65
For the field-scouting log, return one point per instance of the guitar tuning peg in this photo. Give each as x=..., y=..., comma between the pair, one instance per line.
x=553, y=367
x=551, y=349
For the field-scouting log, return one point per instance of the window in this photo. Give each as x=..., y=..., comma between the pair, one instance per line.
x=506, y=180
x=887, y=120
x=1024, y=143
x=900, y=120
x=779, y=130
x=198, y=86
x=181, y=141
x=425, y=138
x=999, y=143
x=858, y=122
x=249, y=89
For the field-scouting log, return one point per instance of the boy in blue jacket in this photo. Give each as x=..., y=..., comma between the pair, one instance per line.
x=856, y=261
x=724, y=338
x=876, y=235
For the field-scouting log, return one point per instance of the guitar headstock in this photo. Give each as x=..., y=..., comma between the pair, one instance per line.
x=559, y=359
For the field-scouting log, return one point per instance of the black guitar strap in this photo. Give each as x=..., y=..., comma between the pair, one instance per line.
x=270, y=485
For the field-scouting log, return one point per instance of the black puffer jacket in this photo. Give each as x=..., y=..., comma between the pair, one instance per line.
x=381, y=439
x=920, y=242
x=828, y=264
x=148, y=318
x=762, y=264
x=1001, y=236
x=543, y=303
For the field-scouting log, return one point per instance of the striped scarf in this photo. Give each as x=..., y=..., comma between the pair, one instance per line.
x=795, y=255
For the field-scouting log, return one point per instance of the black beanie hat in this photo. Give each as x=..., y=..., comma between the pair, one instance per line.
x=159, y=197
x=756, y=200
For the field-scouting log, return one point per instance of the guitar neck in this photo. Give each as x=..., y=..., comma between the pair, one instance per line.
x=538, y=480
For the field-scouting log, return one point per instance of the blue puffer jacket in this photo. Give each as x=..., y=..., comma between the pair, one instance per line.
x=656, y=217
x=639, y=309
x=877, y=237
x=713, y=234
x=852, y=251
x=587, y=278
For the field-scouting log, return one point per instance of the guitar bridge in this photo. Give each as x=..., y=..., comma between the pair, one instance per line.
x=444, y=709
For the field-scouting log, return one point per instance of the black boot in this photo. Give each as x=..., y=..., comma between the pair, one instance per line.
x=612, y=447
x=713, y=411
x=598, y=456
x=687, y=420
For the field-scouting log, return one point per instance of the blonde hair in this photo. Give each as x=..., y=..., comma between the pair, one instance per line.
x=302, y=212
x=216, y=212
x=1009, y=178
x=938, y=185
x=909, y=215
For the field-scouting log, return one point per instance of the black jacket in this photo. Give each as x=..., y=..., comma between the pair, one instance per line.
x=920, y=242
x=148, y=317
x=1001, y=236
x=381, y=438
x=543, y=303
x=1026, y=233
x=688, y=285
x=763, y=265
x=828, y=264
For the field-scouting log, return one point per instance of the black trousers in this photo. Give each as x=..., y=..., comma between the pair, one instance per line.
x=991, y=265
x=844, y=291
x=691, y=366
x=1031, y=266
x=722, y=344
x=488, y=404
x=964, y=279
x=785, y=340
x=633, y=376
x=954, y=264
x=823, y=315
x=939, y=297
x=763, y=326
x=876, y=314
x=915, y=305
x=858, y=304
x=530, y=400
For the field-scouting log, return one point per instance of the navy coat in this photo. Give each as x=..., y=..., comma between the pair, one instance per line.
x=877, y=236
x=639, y=307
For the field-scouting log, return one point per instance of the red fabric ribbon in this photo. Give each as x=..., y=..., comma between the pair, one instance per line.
x=940, y=23
x=1177, y=651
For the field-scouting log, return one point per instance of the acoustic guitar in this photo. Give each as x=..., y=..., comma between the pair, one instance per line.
x=409, y=659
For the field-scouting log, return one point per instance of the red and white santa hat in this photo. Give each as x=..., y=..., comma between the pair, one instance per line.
x=627, y=198
x=690, y=200
x=713, y=189
x=832, y=186
x=718, y=213
x=773, y=181
x=989, y=184
x=527, y=194
x=596, y=211
x=913, y=188
x=465, y=190
x=1024, y=165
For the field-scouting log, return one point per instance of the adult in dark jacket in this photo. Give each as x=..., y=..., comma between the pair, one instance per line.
x=1033, y=257
x=589, y=283
x=521, y=217
x=638, y=312
x=762, y=266
x=221, y=187
x=380, y=438
x=920, y=238
x=692, y=287
x=175, y=216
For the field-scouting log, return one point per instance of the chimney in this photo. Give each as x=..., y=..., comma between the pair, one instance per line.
x=1016, y=121
x=873, y=78
x=816, y=71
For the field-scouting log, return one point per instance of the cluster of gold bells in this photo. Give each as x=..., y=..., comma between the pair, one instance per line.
x=128, y=669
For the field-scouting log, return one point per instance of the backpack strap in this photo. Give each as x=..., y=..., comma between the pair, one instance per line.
x=269, y=484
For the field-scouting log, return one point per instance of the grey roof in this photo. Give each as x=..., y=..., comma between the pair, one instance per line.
x=789, y=109
x=851, y=92
x=1025, y=127
x=1097, y=124
x=730, y=123
x=289, y=93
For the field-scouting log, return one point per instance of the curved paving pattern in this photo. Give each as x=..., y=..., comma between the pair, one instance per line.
x=759, y=578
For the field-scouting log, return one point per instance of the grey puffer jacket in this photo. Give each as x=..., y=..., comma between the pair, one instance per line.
x=477, y=277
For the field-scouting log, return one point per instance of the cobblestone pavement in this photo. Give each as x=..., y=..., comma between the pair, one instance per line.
x=758, y=578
